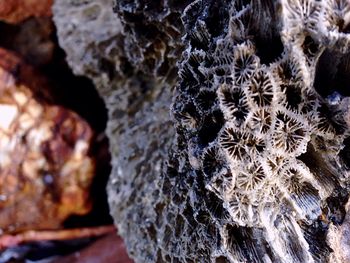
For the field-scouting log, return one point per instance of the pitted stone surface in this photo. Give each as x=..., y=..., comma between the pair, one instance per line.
x=253, y=165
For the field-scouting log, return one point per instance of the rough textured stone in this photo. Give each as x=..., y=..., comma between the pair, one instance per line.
x=91, y=39
x=256, y=131
x=134, y=98
x=152, y=30
x=45, y=167
x=253, y=165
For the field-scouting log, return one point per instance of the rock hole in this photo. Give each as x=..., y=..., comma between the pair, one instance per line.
x=188, y=214
x=310, y=47
x=217, y=20
x=333, y=74
x=215, y=206
x=294, y=96
x=268, y=50
x=179, y=226
x=344, y=154
x=222, y=259
x=212, y=124
x=152, y=232
x=212, y=162
x=336, y=204
x=206, y=99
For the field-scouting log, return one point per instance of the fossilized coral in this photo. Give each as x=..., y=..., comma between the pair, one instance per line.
x=261, y=147
x=130, y=91
x=273, y=115
x=152, y=30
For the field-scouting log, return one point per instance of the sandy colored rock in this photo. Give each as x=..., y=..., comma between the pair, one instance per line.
x=15, y=11
x=45, y=170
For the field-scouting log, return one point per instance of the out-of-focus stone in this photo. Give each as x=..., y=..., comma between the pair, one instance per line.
x=45, y=167
x=39, y=51
x=108, y=249
x=15, y=11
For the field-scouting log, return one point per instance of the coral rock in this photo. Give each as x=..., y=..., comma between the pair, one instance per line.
x=92, y=40
x=254, y=164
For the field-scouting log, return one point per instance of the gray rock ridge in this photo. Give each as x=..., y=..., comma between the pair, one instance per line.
x=140, y=128
x=228, y=123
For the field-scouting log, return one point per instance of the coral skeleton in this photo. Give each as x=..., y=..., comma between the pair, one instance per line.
x=252, y=163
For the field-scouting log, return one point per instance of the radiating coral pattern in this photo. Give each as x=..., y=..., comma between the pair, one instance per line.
x=253, y=165
x=258, y=158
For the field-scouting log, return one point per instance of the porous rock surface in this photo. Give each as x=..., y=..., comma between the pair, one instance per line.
x=138, y=102
x=253, y=165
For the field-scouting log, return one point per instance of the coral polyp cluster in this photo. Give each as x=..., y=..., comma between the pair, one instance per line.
x=253, y=164
x=264, y=118
x=272, y=116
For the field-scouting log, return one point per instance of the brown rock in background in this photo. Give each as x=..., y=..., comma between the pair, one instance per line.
x=45, y=169
x=32, y=39
x=108, y=249
x=26, y=27
x=15, y=11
